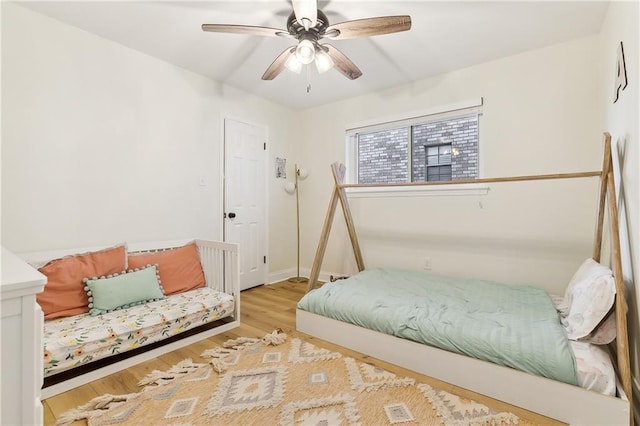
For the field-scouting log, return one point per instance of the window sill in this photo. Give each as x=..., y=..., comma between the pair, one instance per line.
x=464, y=189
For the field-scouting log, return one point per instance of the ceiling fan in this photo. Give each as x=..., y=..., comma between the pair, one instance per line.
x=308, y=26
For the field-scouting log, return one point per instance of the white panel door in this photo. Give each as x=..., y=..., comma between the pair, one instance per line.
x=244, y=198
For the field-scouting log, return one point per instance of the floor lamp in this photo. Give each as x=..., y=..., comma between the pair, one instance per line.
x=300, y=174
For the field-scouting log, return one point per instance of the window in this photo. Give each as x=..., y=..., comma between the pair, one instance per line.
x=439, y=146
x=438, y=162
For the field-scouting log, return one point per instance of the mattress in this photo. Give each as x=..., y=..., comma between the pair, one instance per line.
x=511, y=325
x=80, y=339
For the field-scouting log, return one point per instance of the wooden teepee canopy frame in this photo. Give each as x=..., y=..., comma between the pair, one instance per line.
x=607, y=196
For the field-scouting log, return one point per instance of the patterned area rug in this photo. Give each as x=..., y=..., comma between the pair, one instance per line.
x=280, y=381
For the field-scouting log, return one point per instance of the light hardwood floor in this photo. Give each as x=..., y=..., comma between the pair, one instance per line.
x=263, y=309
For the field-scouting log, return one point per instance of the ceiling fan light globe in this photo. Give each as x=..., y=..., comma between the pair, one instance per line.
x=293, y=64
x=323, y=62
x=305, y=52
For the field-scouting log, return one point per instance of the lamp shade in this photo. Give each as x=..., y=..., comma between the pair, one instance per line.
x=290, y=187
x=293, y=64
x=323, y=61
x=305, y=51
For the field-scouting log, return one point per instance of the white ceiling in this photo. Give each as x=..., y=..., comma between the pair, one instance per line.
x=445, y=35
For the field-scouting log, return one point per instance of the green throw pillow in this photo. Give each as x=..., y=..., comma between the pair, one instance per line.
x=119, y=291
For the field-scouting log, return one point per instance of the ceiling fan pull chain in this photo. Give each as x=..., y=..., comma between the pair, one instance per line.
x=308, y=79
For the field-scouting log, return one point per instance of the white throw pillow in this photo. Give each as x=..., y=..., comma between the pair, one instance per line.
x=605, y=333
x=595, y=367
x=587, y=272
x=591, y=301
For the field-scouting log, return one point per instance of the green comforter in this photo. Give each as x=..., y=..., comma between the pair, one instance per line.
x=511, y=325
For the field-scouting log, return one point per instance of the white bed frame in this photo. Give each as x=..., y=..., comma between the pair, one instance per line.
x=561, y=401
x=221, y=269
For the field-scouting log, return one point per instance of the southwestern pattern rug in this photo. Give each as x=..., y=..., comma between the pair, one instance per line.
x=280, y=381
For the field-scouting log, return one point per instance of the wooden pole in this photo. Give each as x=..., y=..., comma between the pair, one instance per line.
x=607, y=191
x=622, y=337
x=339, y=193
x=324, y=238
x=338, y=171
x=606, y=167
x=338, y=177
x=480, y=180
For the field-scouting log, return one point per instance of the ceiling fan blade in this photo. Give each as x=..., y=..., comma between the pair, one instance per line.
x=368, y=27
x=278, y=64
x=342, y=63
x=244, y=29
x=306, y=10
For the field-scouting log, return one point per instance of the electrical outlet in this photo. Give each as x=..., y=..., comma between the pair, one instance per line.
x=427, y=264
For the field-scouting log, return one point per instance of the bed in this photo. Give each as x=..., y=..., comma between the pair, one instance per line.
x=541, y=369
x=70, y=342
x=79, y=346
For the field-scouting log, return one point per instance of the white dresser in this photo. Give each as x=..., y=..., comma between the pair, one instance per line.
x=21, y=338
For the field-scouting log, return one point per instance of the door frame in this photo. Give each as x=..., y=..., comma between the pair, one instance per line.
x=222, y=155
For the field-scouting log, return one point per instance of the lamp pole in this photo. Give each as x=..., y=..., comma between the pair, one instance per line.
x=298, y=278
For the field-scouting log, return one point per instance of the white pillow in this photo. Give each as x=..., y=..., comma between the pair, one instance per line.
x=591, y=301
x=588, y=271
x=594, y=367
x=605, y=333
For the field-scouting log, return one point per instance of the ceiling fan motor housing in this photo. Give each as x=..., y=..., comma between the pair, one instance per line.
x=313, y=34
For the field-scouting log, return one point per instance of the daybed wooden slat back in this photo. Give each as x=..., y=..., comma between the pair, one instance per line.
x=217, y=259
x=607, y=191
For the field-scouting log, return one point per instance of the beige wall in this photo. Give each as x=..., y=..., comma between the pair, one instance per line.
x=622, y=121
x=542, y=114
x=103, y=144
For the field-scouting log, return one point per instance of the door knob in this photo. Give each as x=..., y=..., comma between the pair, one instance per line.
x=232, y=215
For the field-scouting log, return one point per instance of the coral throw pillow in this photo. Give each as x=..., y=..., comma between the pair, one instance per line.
x=64, y=293
x=180, y=268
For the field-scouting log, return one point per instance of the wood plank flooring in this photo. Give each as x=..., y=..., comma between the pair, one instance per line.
x=263, y=309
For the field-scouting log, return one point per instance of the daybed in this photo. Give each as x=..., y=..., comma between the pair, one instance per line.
x=170, y=294
x=356, y=313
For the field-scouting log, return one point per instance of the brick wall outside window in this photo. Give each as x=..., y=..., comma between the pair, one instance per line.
x=461, y=133
x=383, y=155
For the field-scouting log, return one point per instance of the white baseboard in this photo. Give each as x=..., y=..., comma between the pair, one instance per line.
x=277, y=276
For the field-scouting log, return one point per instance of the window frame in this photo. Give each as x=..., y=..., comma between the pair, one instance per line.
x=439, y=164
x=409, y=119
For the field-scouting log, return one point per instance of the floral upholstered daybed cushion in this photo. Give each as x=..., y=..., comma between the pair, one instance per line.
x=80, y=339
